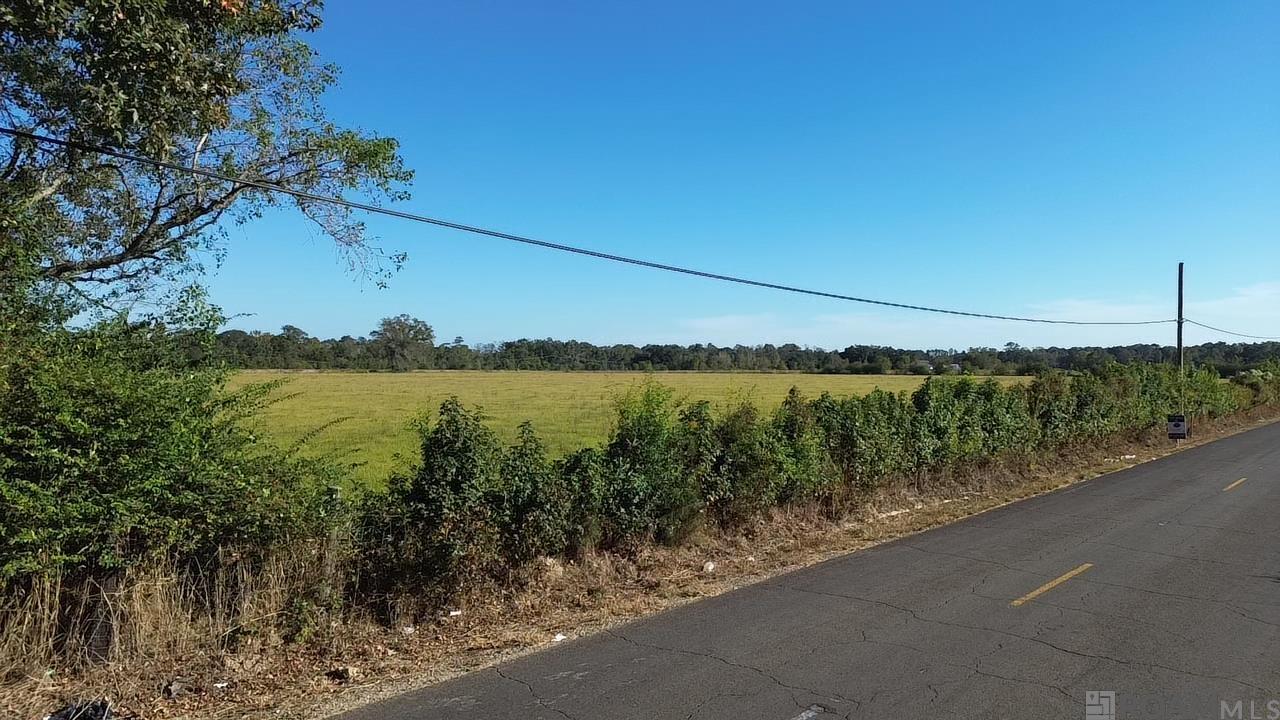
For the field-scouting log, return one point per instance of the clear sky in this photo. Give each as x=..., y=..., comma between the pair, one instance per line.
x=1048, y=159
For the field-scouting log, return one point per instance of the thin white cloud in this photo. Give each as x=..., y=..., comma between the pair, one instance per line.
x=1251, y=309
x=1254, y=310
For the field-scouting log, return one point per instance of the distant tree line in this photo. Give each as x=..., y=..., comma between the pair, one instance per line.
x=405, y=343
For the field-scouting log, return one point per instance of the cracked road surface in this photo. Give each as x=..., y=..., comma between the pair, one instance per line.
x=1178, y=611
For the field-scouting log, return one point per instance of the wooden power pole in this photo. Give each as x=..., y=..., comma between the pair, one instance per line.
x=1178, y=429
x=1181, y=355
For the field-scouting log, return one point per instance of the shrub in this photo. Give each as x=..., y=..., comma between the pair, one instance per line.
x=868, y=438
x=437, y=529
x=805, y=468
x=647, y=493
x=583, y=475
x=1003, y=420
x=116, y=448
x=532, y=501
x=1262, y=385
x=745, y=466
x=1116, y=398
x=699, y=452
x=127, y=472
x=1051, y=405
x=1210, y=397
x=1096, y=413
x=937, y=421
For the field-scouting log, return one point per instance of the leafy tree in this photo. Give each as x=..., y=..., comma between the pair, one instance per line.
x=404, y=342
x=119, y=444
x=225, y=84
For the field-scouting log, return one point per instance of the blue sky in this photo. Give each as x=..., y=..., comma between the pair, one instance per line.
x=1047, y=159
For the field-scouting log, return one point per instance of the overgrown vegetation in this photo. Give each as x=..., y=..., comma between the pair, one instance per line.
x=470, y=513
x=120, y=457
x=119, y=453
x=140, y=516
x=125, y=468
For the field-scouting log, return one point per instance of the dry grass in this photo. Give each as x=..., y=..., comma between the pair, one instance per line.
x=153, y=630
x=169, y=632
x=570, y=410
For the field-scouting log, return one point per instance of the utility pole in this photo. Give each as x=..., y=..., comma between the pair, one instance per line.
x=1178, y=429
x=1181, y=355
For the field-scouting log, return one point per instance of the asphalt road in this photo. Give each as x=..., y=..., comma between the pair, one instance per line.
x=1160, y=584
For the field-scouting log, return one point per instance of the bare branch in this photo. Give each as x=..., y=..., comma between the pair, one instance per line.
x=44, y=192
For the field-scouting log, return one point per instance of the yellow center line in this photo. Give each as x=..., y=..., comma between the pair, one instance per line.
x=1051, y=585
x=1234, y=485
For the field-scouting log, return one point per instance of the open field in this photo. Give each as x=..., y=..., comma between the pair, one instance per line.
x=569, y=410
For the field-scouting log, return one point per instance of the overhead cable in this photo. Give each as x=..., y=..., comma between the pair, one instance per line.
x=274, y=187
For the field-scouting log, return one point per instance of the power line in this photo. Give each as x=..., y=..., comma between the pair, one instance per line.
x=1231, y=332
x=273, y=187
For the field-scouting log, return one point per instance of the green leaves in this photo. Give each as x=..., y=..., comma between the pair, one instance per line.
x=117, y=447
x=135, y=73
x=225, y=84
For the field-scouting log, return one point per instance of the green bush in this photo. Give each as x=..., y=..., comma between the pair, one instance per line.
x=699, y=450
x=868, y=438
x=1002, y=420
x=936, y=424
x=1210, y=396
x=473, y=510
x=1051, y=405
x=1118, y=398
x=117, y=448
x=746, y=465
x=583, y=475
x=647, y=493
x=962, y=421
x=533, y=502
x=1261, y=386
x=439, y=528
x=806, y=469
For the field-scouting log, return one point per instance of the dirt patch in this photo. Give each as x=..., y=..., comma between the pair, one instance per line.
x=359, y=661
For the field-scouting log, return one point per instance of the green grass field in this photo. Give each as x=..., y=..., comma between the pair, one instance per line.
x=569, y=410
